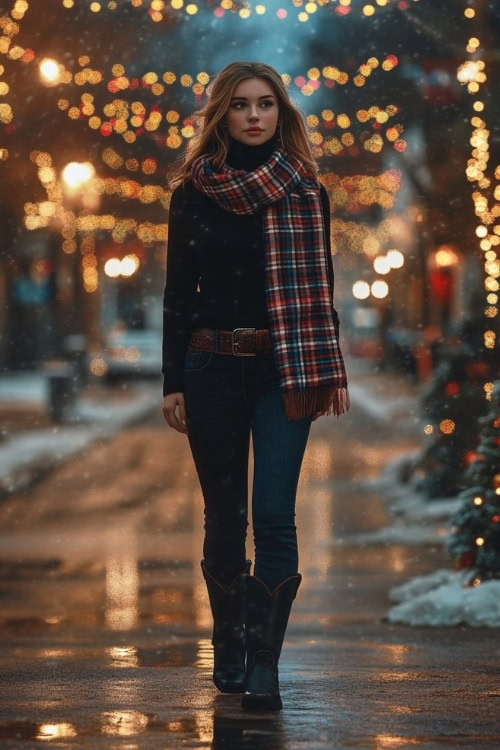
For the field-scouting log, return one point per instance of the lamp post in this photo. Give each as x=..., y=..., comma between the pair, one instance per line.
x=75, y=179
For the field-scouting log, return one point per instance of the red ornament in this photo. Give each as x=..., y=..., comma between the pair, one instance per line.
x=106, y=128
x=470, y=456
x=452, y=388
x=442, y=283
x=466, y=560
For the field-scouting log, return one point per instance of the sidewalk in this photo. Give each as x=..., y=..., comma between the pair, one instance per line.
x=31, y=444
x=106, y=625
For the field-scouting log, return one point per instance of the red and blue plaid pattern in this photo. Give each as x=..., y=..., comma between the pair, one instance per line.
x=312, y=372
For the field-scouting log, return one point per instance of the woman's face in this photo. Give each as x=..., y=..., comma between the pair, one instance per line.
x=253, y=104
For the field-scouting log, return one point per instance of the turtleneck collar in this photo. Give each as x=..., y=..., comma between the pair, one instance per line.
x=243, y=156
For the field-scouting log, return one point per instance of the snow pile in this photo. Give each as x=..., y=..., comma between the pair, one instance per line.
x=412, y=535
x=443, y=598
x=386, y=410
x=405, y=502
x=23, y=456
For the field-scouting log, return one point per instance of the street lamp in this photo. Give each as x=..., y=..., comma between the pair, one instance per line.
x=76, y=173
x=50, y=71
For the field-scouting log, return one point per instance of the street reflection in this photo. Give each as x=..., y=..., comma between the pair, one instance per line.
x=204, y=655
x=260, y=732
x=122, y=579
x=55, y=731
x=397, y=652
x=122, y=656
x=314, y=522
x=204, y=725
x=123, y=723
x=318, y=461
x=387, y=741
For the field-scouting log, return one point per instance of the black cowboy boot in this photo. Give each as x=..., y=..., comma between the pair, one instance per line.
x=266, y=617
x=228, y=638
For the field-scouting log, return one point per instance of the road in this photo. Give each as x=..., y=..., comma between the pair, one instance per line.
x=105, y=623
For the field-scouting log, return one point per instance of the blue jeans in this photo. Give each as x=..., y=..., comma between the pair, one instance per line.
x=226, y=397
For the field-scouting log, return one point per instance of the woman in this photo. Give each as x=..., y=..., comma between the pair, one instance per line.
x=254, y=350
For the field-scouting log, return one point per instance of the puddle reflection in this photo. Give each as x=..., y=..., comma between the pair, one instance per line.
x=260, y=732
x=55, y=731
x=124, y=723
x=122, y=579
x=122, y=656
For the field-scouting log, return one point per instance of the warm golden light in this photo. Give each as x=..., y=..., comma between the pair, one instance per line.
x=75, y=174
x=446, y=257
x=129, y=265
x=361, y=289
x=50, y=70
x=381, y=264
x=447, y=426
x=112, y=268
x=380, y=289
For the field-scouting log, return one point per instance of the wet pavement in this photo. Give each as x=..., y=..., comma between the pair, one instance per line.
x=105, y=622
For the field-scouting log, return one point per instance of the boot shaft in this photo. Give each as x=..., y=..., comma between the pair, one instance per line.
x=226, y=603
x=267, y=614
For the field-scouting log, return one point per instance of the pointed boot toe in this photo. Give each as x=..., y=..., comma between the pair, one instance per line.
x=262, y=686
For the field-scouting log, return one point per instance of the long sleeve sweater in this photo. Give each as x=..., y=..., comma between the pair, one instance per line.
x=215, y=275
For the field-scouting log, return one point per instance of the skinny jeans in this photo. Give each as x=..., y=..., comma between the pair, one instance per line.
x=228, y=397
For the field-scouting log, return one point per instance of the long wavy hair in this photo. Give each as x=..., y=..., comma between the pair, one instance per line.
x=212, y=139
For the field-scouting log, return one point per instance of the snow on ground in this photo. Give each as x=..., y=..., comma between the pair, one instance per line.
x=399, y=533
x=385, y=409
x=416, y=519
x=24, y=387
x=402, y=496
x=23, y=455
x=443, y=598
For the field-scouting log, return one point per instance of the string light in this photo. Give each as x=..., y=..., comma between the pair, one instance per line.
x=472, y=73
x=131, y=119
x=244, y=10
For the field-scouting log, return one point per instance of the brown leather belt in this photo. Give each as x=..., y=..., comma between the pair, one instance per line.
x=244, y=342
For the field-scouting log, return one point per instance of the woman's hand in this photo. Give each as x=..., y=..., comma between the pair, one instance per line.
x=170, y=403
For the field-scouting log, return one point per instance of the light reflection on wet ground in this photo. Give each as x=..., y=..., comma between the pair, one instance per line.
x=105, y=625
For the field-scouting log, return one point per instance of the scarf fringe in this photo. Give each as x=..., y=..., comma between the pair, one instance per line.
x=307, y=403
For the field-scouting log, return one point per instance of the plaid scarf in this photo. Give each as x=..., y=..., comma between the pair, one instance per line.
x=299, y=304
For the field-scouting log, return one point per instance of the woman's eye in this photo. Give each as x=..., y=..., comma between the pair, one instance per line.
x=264, y=103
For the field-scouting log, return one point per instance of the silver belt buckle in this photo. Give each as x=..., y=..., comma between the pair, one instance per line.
x=235, y=343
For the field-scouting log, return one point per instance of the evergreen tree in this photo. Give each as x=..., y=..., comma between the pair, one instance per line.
x=452, y=402
x=474, y=539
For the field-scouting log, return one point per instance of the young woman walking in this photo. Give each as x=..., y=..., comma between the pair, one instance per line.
x=250, y=345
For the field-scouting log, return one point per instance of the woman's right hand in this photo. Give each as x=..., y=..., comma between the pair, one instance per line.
x=170, y=403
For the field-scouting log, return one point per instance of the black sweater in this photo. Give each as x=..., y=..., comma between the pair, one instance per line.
x=215, y=266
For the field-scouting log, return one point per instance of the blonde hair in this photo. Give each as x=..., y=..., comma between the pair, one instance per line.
x=213, y=139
